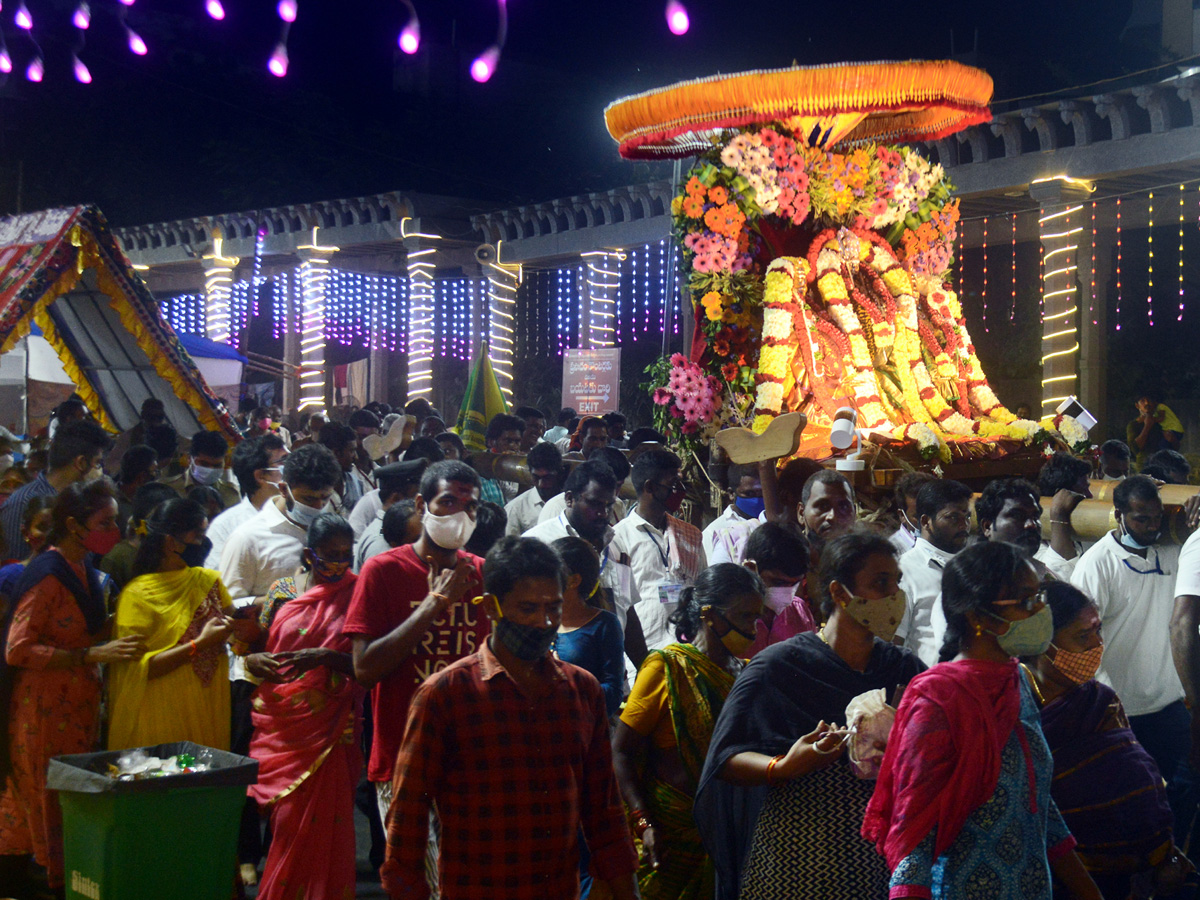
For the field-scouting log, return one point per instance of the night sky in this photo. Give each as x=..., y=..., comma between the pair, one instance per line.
x=198, y=126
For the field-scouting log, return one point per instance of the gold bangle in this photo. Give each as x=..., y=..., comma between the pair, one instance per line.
x=1059, y=522
x=771, y=768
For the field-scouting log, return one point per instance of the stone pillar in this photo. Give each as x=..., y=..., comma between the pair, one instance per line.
x=1060, y=225
x=313, y=277
x=218, y=289
x=419, y=267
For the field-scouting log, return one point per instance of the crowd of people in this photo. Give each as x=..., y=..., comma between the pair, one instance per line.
x=566, y=689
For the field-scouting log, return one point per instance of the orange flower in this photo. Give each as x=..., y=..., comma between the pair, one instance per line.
x=718, y=195
x=693, y=206
x=727, y=220
x=695, y=188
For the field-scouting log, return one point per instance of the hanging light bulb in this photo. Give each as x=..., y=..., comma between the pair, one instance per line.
x=287, y=10
x=82, y=75
x=677, y=17
x=127, y=2
x=5, y=61
x=410, y=36
x=136, y=44
x=277, y=65
x=83, y=16
x=214, y=9
x=484, y=65
x=23, y=19
x=35, y=70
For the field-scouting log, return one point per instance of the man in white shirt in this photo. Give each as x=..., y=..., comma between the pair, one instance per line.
x=1065, y=478
x=944, y=513
x=546, y=470
x=615, y=460
x=724, y=538
x=908, y=486
x=665, y=553
x=1134, y=581
x=590, y=490
x=535, y=426
x=258, y=475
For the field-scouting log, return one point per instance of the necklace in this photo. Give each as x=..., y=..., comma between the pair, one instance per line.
x=821, y=635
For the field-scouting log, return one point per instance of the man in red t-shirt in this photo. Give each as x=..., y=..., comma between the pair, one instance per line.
x=411, y=613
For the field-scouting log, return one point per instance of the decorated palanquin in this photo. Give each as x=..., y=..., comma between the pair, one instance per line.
x=818, y=251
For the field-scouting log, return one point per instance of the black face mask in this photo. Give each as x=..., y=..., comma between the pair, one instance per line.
x=195, y=554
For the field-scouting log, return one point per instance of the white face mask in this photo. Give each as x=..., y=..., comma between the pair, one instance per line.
x=449, y=532
x=205, y=475
x=780, y=598
x=302, y=514
x=1112, y=478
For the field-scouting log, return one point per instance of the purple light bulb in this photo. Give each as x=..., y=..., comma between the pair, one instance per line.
x=23, y=19
x=127, y=2
x=214, y=9
x=485, y=64
x=5, y=61
x=287, y=10
x=136, y=44
x=677, y=17
x=36, y=70
x=83, y=16
x=82, y=75
x=277, y=65
x=410, y=37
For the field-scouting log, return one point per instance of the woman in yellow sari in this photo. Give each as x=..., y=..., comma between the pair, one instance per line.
x=179, y=690
x=665, y=729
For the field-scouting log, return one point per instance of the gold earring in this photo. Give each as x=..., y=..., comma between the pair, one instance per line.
x=978, y=630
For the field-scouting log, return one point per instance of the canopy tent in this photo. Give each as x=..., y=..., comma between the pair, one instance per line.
x=62, y=270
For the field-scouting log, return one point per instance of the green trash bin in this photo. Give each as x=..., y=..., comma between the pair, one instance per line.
x=169, y=837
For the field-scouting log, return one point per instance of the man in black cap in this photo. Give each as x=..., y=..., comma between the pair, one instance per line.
x=397, y=481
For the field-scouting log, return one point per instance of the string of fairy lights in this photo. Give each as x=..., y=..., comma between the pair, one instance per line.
x=1141, y=257
x=538, y=317
x=408, y=40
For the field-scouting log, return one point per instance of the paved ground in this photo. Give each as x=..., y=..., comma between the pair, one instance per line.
x=368, y=877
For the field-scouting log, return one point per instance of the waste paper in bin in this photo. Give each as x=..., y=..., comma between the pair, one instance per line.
x=173, y=836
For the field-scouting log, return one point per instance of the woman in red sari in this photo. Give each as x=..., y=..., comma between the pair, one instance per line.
x=50, y=687
x=306, y=730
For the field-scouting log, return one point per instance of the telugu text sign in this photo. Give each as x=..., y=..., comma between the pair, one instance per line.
x=592, y=380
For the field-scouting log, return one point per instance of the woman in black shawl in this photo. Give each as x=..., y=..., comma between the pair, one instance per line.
x=778, y=807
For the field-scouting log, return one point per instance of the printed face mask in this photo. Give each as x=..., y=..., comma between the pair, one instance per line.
x=1079, y=668
x=1027, y=637
x=880, y=617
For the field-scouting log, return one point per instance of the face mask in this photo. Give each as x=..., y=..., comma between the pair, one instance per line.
x=880, y=617
x=674, y=501
x=780, y=598
x=525, y=642
x=1112, y=477
x=100, y=541
x=1079, y=668
x=194, y=555
x=449, y=532
x=735, y=640
x=1027, y=637
x=1133, y=543
x=330, y=570
x=751, y=507
x=302, y=514
x=205, y=475
x=92, y=474
x=263, y=424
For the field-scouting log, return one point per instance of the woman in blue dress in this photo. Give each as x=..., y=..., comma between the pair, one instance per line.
x=962, y=809
x=590, y=637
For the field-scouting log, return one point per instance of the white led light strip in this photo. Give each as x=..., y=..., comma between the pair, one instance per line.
x=604, y=287
x=314, y=283
x=1059, y=303
x=503, y=281
x=218, y=289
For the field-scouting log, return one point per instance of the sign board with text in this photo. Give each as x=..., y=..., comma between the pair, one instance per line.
x=592, y=380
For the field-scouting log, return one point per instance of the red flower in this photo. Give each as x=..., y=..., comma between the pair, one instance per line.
x=729, y=372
